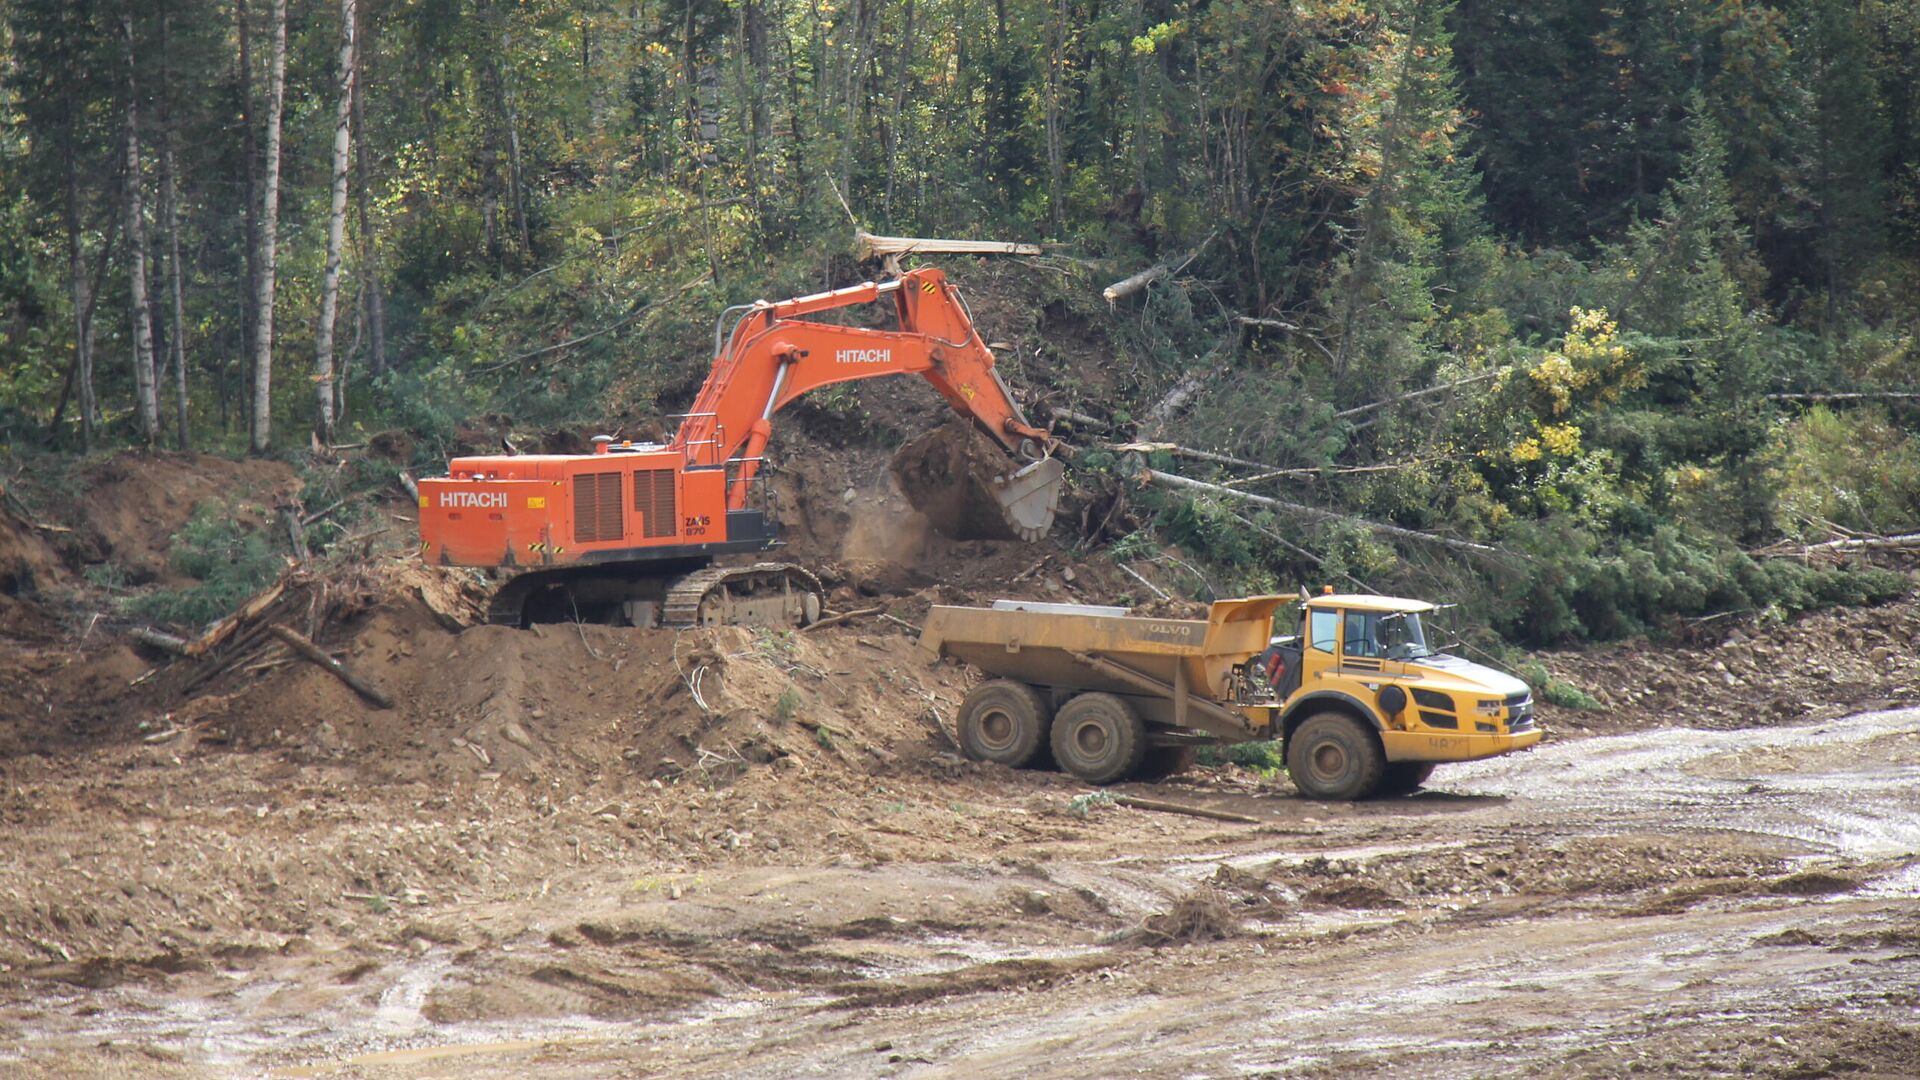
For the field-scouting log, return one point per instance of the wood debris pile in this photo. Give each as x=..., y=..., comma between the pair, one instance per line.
x=284, y=622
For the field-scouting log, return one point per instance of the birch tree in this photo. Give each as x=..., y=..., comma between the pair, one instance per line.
x=336, y=230
x=372, y=299
x=262, y=430
x=146, y=397
x=170, y=216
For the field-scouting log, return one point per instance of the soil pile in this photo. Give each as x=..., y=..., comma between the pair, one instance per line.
x=950, y=475
x=1824, y=664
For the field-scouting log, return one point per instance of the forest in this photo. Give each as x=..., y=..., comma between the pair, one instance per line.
x=1626, y=292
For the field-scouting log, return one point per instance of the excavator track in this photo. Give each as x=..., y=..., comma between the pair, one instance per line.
x=764, y=594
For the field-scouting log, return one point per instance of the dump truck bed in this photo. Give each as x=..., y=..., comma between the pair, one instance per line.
x=1182, y=669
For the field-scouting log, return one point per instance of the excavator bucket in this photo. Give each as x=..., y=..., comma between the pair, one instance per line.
x=970, y=489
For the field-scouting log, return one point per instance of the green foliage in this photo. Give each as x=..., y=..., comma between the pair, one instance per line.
x=1576, y=588
x=1084, y=805
x=786, y=706
x=230, y=561
x=1261, y=755
x=1556, y=691
x=1857, y=471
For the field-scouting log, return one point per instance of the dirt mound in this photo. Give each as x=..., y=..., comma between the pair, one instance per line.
x=28, y=560
x=130, y=505
x=1825, y=664
x=951, y=475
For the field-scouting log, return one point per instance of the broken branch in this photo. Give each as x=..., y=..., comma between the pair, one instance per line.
x=1127, y=286
x=1312, y=512
x=1410, y=395
x=1135, y=575
x=302, y=645
x=1138, y=803
x=836, y=620
x=871, y=245
x=159, y=639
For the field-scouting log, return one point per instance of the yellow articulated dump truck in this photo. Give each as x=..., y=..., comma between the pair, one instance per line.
x=1360, y=702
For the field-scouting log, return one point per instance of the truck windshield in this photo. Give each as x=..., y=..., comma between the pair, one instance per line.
x=1393, y=635
x=1402, y=637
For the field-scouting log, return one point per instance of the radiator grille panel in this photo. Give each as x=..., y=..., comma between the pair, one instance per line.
x=596, y=508
x=653, y=500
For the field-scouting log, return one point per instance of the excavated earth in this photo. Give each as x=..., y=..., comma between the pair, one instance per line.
x=585, y=851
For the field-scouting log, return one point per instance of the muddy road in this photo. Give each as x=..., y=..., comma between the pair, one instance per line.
x=1668, y=901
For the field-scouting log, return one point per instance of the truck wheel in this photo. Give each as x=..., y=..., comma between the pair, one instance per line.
x=1404, y=777
x=1331, y=756
x=1099, y=738
x=1003, y=721
x=1162, y=762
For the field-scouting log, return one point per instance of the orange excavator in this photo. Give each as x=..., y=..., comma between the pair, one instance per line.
x=629, y=533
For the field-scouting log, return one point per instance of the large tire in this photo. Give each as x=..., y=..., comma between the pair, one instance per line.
x=1332, y=756
x=1164, y=762
x=1099, y=738
x=1003, y=721
x=1404, y=777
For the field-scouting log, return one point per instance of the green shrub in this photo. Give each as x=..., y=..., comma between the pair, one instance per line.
x=230, y=561
x=1555, y=691
x=786, y=706
x=1260, y=755
x=1572, y=588
x=1858, y=471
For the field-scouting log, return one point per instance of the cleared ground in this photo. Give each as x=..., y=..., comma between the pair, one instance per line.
x=1672, y=901
x=587, y=852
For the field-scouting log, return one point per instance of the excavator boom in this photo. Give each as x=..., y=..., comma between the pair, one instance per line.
x=774, y=355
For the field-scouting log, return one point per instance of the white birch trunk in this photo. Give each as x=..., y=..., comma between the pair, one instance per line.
x=146, y=394
x=269, y=237
x=170, y=212
x=336, y=231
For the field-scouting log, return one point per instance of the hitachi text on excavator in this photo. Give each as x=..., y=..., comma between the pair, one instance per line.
x=629, y=533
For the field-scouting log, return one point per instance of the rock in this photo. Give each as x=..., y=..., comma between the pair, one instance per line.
x=516, y=735
x=773, y=843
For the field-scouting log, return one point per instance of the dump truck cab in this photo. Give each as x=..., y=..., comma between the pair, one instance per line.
x=1371, y=659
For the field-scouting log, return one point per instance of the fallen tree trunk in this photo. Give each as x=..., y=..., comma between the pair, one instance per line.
x=836, y=620
x=1138, y=803
x=1878, y=395
x=1186, y=452
x=1127, y=286
x=1313, y=512
x=1410, y=395
x=304, y=646
x=159, y=639
x=1179, y=397
x=1863, y=543
x=871, y=245
x=220, y=631
x=1075, y=417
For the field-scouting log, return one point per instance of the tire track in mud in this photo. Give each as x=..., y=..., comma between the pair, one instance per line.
x=1846, y=789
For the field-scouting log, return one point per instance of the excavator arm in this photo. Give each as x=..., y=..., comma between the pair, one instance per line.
x=774, y=355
